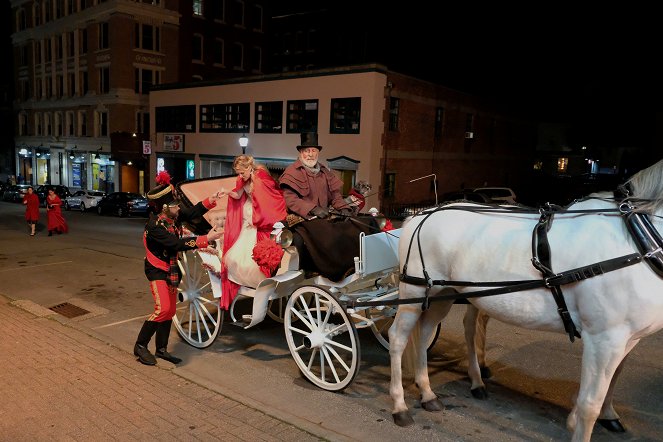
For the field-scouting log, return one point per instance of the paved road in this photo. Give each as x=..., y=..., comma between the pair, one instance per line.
x=99, y=266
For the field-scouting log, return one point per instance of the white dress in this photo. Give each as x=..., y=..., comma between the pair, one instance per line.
x=242, y=269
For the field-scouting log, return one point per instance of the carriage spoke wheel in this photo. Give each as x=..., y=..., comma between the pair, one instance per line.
x=322, y=338
x=198, y=318
x=381, y=320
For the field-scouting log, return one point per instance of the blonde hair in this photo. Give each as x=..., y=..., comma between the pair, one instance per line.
x=244, y=162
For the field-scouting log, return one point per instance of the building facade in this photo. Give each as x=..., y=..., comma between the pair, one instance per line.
x=373, y=125
x=84, y=69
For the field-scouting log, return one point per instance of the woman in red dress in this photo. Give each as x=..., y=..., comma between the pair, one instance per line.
x=56, y=222
x=31, y=201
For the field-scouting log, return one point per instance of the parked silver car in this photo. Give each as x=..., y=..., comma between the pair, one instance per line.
x=83, y=200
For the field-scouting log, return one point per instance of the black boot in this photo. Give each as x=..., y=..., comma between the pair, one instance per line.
x=163, y=333
x=143, y=339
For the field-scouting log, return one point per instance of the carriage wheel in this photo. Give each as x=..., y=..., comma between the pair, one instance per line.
x=322, y=338
x=198, y=318
x=381, y=321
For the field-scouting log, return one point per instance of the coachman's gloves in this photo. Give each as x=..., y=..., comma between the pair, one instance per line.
x=320, y=212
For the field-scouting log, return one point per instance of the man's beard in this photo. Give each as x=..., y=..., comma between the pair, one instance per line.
x=309, y=163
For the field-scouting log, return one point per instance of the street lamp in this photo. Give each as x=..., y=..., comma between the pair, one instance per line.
x=243, y=142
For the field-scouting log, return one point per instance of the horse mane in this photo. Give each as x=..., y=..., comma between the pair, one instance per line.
x=647, y=189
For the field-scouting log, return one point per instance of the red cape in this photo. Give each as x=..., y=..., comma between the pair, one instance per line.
x=268, y=208
x=32, y=207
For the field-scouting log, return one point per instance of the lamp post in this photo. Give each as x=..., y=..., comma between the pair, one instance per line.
x=243, y=142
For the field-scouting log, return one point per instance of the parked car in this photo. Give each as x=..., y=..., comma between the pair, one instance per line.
x=123, y=204
x=467, y=195
x=15, y=193
x=42, y=192
x=83, y=200
x=498, y=194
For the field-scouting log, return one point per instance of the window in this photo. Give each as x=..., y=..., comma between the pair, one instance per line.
x=59, y=8
x=69, y=124
x=48, y=86
x=237, y=13
x=231, y=117
x=47, y=11
x=102, y=123
x=71, y=84
x=103, y=35
x=47, y=124
x=269, y=117
x=238, y=56
x=562, y=163
x=144, y=79
x=143, y=122
x=23, y=55
x=257, y=18
x=59, y=86
x=38, y=124
x=218, y=51
x=24, y=89
x=439, y=121
x=198, y=7
x=104, y=80
x=23, y=124
x=82, y=123
x=197, y=47
x=21, y=20
x=345, y=115
x=175, y=118
x=302, y=116
x=147, y=37
x=37, y=14
x=256, y=59
x=394, y=106
x=47, y=50
x=83, y=41
x=390, y=184
x=71, y=4
x=38, y=88
x=59, y=129
x=84, y=86
x=70, y=44
x=219, y=10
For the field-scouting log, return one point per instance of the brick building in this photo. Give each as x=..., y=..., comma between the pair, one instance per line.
x=374, y=125
x=84, y=69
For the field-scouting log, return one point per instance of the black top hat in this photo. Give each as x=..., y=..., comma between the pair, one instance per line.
x=309, y=139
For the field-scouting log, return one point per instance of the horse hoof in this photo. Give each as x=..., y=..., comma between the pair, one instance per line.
x=403, y=419
x=433, y=405
x=479, y=393
x=486, y=373
x=612, y=425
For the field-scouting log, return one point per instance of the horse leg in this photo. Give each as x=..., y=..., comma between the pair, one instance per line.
x=602, y=356
x=608, y=418
x=399, y=332
x=427, y=324
x=475, y=340
x=480, y=344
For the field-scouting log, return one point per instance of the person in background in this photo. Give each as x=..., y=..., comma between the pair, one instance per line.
x=56, y=222
x=31, y=201
x=163, y=241
x=254, y=206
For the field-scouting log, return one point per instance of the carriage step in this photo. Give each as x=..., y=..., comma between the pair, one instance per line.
x=246, y=320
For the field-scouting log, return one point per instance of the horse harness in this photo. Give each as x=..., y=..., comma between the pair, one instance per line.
x=649, y=241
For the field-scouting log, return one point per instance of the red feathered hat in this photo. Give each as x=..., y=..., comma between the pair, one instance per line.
x=164, y=192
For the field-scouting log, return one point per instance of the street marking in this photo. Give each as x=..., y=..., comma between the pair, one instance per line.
x=35, y=266
x=121, y=322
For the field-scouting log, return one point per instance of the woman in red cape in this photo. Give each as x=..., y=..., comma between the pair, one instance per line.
x=31, y=201
x=254, y=206
x=56, y=222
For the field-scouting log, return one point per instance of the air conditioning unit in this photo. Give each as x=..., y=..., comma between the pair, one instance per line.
x=469, y=134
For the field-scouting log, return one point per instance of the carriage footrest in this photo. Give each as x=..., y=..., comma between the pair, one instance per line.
x=246, y=320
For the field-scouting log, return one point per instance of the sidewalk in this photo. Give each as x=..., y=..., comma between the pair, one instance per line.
x=59, y=383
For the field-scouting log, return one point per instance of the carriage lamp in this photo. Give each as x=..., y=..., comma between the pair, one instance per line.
x=281, y=235
x=243, y=142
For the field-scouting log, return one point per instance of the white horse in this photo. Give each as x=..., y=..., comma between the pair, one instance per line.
x=612, y=311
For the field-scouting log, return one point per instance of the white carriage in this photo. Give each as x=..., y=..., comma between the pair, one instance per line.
x=320, y=324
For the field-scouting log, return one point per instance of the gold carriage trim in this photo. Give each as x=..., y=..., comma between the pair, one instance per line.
x=190, y=243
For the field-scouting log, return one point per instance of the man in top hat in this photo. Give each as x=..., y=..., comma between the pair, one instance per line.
x=163, y=241
x=310, y=188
